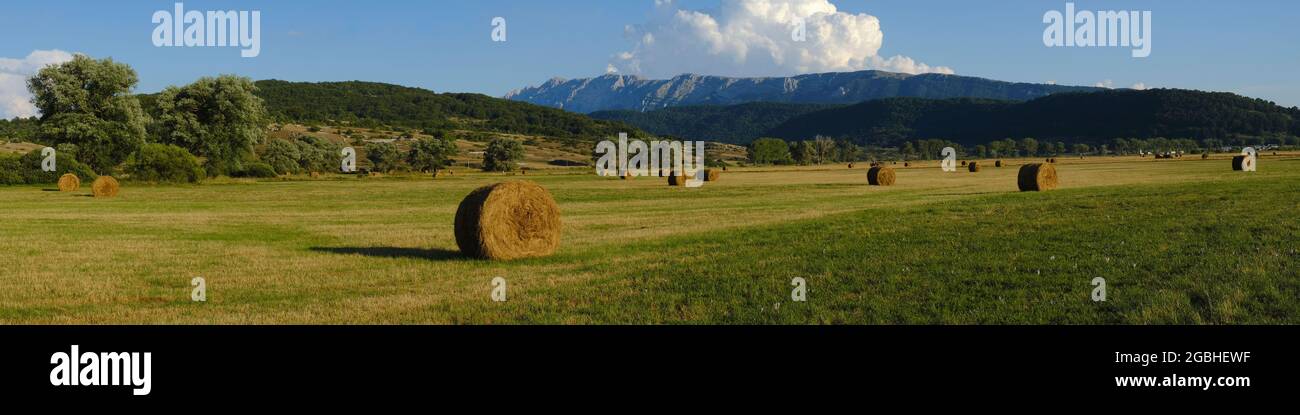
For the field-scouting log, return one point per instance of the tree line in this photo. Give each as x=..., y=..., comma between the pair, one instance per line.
x=212, y=127
x=822, y=150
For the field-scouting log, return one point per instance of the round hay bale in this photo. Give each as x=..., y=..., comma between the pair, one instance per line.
x=997, y=163
x=711, y=175
x=675, y=180
x=1036, y=177
x=963, y=163
x=1205, y=156
x=315, y=175
x=105, y=186
x=69, y=182
x=907, y=164
x=508, y=220
x=1241, y=163
x=850, y=165
x=881, y=176
x=974, y=167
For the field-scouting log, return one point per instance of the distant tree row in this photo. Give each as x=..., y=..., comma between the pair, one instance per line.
x=1089, y=118
x=819, y=150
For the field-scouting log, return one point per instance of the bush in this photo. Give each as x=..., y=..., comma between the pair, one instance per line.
x=164, y=163
x=384, y=157
x=26, y=169
x=318, y=154
x=10, y=170
x=283, y=156
x=257, y=169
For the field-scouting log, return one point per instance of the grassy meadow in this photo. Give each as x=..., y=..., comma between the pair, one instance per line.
x=1183, y=241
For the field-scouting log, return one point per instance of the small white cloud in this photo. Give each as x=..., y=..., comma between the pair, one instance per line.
x=755, y=38
x=1108, y=84
x=1140, y=86
x=610, y=69
x=15, y=101
x=1051, y=82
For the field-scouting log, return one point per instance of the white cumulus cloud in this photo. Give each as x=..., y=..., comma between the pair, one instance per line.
x=15, y=101
x=1140, y=86
x=756, y=38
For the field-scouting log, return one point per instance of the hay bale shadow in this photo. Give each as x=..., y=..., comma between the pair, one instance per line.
x=434, y=254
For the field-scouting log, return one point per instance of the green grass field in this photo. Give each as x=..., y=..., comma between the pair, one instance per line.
x=1178, y=242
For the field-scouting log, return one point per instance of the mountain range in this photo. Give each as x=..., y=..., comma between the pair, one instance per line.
x=630, y=92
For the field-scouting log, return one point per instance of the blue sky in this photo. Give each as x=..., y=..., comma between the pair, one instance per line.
x=1244, y=47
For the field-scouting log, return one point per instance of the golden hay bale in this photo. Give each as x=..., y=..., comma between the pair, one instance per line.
x=1205, y=156
x=508, y=220
x=997, y=163
x=907, y=164
x=105, y=186
x=963, y=162
x=850, y=165
x=1036, y=177
x=69, y=182
x=1240, y=163
x=675, y=180
x=974, y=167
x=712, y=175
x=881, y=176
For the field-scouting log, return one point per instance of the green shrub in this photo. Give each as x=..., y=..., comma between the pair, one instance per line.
x=11, y=170
x=283, y=156
x=384, y=157
x=164, y=163
x=32, y=174
x=26, y=169
x=318, y=154
x=257, y=169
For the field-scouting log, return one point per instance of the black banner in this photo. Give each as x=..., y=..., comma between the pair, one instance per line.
x=285, y=364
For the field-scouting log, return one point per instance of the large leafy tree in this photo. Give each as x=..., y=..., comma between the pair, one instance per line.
x=216, y=118
x=384, y=157
x=502, y=154
x=88, y=102
x=432, y=154
x=770, y=151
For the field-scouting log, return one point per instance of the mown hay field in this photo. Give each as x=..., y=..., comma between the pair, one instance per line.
x=1184, y=241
